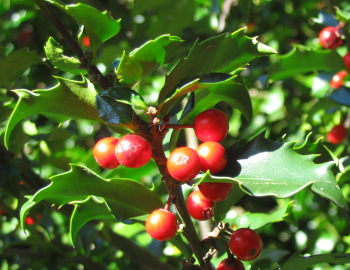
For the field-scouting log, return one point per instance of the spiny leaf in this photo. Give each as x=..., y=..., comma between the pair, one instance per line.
x=257, y=220
x=144, y=60
x=200, y=82
x=299, y=61
x=127, y=96
x=54, y=52
x=79, y=183
x=99, y=26
x=86, y=210
x=223, y=53
x=68, y=99
x=253, y=167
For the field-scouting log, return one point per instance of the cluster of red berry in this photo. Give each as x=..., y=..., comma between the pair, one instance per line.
x=131, y=150
x=183, y=164
x=331, y=38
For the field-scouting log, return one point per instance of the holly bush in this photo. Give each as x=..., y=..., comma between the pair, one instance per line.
x=147, y=75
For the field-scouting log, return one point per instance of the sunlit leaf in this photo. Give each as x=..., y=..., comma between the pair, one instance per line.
x=54, y=52
x=79, y=183
x=299, y=61
x=253, y=167
x=145, y=59
x=99, y=26
x=67, y=100
x=224, y=53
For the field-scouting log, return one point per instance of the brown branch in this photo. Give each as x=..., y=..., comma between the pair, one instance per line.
x=93, y=71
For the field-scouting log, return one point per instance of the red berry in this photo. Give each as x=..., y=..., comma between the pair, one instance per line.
x=104, y=153
x=183, y=164
x=330, y=37
x=337, y=134
x=86, y=41
x=133, y=151
x=230, y=264
x=338, y=79
x=161, y=224
x=29, y=221
x=198, y=206
x=346, y=60
x=211, y=125
x=245, y=244
x=212, y=156
x=215, y=192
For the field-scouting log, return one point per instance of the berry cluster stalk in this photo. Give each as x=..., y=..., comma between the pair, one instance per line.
x=153, y=134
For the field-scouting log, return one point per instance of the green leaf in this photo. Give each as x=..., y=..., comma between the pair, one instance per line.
x=253, y=167
x=301, y=61
x=221, y=208
x=114, y=105
x=68, y=99
x=144, y=60
x=296, y=262
x=218, y=80
x=13, y=66
x=341, y=15
x=257, y=220
x=223, y=53
x=86, y=210
x=99, y=26
x=54, y=52
x=127, y=96
x=125, y=198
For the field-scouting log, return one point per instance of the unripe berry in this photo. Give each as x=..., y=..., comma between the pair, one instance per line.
x=338, y=79
x=161, y=224
x=245, y=244
x=104, y=153
x=211, y=125
x=198, y=206
x=337, y=134
x=330, y=37
x=215, y=192
x=230, y=264
x=212, y=156
x=133, y=151
x=183, y=164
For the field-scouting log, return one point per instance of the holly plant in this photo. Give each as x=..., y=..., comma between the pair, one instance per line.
x=172, y=163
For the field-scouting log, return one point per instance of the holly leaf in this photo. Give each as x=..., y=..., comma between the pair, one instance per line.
x=144, y=60
x=223, y=53
x=54, y=52
x=125, y=198
x=253, y=167
x=341, y=96
x=127, y=96
x=299, y=262
x=200, y=82
x=99, y=26
x=13, y=65
x=67, y=100
x=114, y=105
x=258, y=220
x=299, y=61
x=86, y=210
x=341, y=15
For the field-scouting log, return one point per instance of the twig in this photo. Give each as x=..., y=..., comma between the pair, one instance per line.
x=93, y=71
